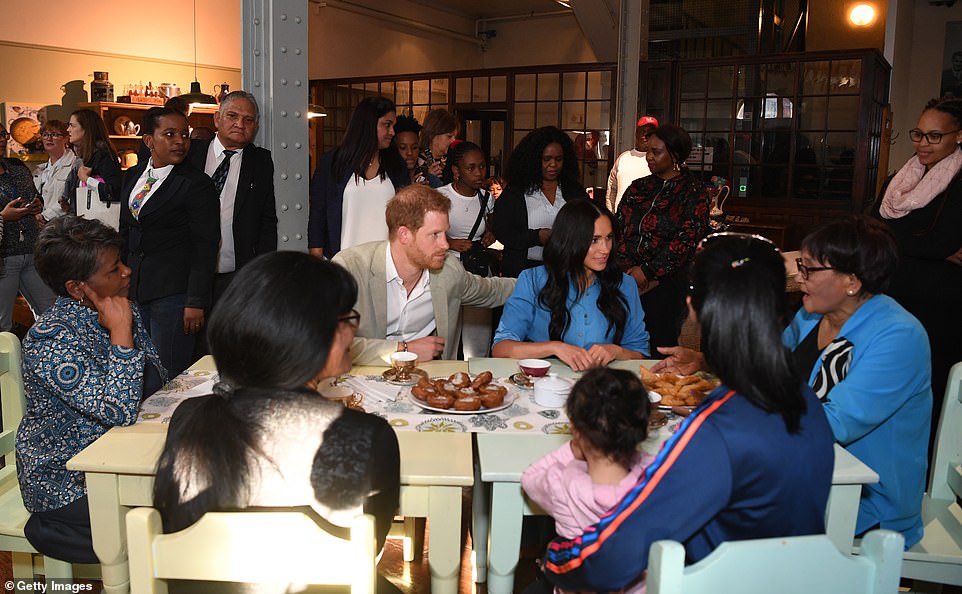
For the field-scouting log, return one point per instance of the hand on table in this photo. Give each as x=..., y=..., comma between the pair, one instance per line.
x=193, y=319
x=603, y=354
x=427, y=348
x=114, y=314
x=680, y=360
x=459, y=245
x=575, y=357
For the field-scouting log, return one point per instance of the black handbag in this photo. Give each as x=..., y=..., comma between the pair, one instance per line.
x=476, y=260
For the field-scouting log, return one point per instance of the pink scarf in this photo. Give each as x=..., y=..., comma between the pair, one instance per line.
x=912, y=188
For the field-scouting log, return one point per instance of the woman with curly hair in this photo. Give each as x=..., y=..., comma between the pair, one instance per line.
x=578, y=307
x=662, y=218
x=542, y=175
x=406, y=131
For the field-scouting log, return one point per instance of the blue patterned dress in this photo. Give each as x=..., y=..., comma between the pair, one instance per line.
x=77, y=386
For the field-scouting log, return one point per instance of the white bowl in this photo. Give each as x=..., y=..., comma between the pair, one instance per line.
x=552, y=391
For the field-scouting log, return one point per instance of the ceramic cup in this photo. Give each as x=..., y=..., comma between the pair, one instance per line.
x=534, y=367
x=404, y=362
x=552, y=391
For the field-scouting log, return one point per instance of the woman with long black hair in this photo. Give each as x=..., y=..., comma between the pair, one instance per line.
x=353, y=182
x=662, y=217
x=754, y=460
x=266, y=438
x=578, y=307
x=542, y=176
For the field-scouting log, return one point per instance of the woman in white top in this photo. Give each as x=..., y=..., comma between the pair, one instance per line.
x=353, y=182
x=542, y=175
x=51, y=177
x=468, y=234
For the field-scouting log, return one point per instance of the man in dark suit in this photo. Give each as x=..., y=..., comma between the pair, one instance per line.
x=243, y=176
x=171, y=232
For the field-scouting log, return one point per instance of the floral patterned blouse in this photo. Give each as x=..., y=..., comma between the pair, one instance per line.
x=661, y=223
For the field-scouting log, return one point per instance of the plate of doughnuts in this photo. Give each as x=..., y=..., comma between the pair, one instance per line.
x=461, y=394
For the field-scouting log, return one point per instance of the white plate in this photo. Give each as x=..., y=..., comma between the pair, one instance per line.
x=509, y=399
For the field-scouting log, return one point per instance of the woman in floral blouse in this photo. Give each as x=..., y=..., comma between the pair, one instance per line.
x=662, y=217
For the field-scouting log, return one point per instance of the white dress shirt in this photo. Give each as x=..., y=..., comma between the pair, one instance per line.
x=160, y=174
x=215, y=154
x=362, y=215
x=541, y=215
x=409, y=316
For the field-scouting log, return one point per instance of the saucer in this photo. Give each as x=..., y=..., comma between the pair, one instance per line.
x=390, y=376
x=522, y=381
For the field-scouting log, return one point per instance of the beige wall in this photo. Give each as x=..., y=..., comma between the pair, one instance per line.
x=337, y=49
x=39, y=58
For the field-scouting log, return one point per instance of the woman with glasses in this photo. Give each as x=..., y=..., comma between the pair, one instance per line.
x=867, y=359
x=754, y=460
x=662, y=217
x=922, y=205
x=265, y=437
x=51, y=177
x=19, y=205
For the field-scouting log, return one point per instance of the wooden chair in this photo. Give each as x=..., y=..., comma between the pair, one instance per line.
x=795, y=565
x=13, y=515
x=938, y=556
x=268, y=547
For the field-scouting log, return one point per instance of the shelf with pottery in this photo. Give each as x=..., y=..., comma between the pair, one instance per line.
x=123, y=120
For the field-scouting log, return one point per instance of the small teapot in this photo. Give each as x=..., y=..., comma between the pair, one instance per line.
x=221, y=91
x=131, y=129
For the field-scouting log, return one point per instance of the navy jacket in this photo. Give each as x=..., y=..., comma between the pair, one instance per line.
x=731, y=472
x=327, y=203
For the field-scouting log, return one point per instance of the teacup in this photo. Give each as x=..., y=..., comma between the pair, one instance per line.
x=534, y=367
x=404, y=362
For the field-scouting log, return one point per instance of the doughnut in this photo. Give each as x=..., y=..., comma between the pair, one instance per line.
x=470, y=403
x=467, y=393
x=495, y=389
x=422, y=393
x=440, y=401
x=484, y=378
x=424, y=382
x=460, y=379
x=491, y=398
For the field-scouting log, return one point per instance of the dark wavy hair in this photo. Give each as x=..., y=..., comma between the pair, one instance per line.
x=271, y=333
x=524, y=166
x=406, y=123
x=738, y=294
x=564, y=260
x=360, y=141
x=858, y=245
x=455, y=154
x=610, y=409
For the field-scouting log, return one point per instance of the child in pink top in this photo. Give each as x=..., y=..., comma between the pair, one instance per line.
x=586, y=477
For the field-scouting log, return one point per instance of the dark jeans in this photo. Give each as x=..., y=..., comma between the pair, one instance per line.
x=63, y=533
x=164, y=319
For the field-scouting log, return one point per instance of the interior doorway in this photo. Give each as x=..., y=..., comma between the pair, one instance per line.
x=487, y=129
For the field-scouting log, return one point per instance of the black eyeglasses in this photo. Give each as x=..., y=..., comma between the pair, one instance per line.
x=51, y=135
x=353, y=318
x=931, y=137
x=807, y=270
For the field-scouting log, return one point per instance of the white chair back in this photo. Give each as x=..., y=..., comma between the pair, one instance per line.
x=795, y=565
x=266, y=547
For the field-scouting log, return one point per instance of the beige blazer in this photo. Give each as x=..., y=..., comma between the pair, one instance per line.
x=451, y=287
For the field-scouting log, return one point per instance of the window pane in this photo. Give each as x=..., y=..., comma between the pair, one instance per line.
x=547, y=113
x=599, y=85
x=387, y=90
x=780, y=79
x=524, y=86
x=498, y=88
x=573, y=115
x=419, y=92
x=463, y=86
x=749, y=80
x=720, y=81
x=692, y=115
x=419, y=112
x=548, y=86
x=439, y=91
x=519, y=136
x=693, y=81
x=574, y=85
x=480, y=90
x=814, y=78
x=719, y=115
x=846, y=76
x=524, y=115
x=598, y=116
x=402, y=90
x=812, y=113
x=843, y=113
x=370, y=88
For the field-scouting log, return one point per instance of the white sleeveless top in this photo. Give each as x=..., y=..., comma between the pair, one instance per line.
x=362, y=214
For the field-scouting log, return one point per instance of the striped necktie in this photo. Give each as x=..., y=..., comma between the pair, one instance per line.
x=138, y=201
x=220, y=174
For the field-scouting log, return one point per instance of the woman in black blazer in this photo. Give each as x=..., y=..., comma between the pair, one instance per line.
x=171, y=230
x=542, y=175
x=98, y=164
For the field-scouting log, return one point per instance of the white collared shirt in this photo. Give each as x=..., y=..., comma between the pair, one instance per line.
x=215, y=155
x=541, y=215
x=409, y=317
x=160, y=174
x=362, y=214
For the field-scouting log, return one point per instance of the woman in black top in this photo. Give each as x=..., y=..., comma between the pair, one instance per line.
x=98, y=166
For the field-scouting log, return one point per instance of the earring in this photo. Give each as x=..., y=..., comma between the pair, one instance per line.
x=850, y=292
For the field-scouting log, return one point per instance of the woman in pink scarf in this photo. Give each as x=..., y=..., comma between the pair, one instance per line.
x=922, y=204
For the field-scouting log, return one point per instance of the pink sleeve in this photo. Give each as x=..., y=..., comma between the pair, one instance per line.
x=560, y=485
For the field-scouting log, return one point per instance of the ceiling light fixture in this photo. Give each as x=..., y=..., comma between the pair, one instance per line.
x=197, y=98
x=862, y=15
x=565, y=3
x=315, y=110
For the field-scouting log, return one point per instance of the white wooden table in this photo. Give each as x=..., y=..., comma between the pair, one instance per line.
x=503, y=457
x=120, y=469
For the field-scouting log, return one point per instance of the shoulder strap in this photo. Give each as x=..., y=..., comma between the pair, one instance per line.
x=483, y=197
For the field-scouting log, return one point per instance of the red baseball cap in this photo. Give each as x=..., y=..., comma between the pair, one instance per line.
x=647, y=121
